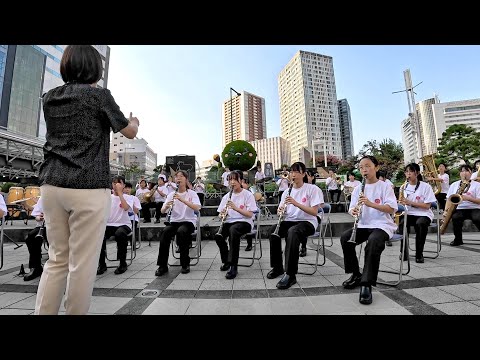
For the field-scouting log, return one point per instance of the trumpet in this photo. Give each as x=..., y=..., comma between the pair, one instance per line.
x=223, y=216
x=149, y=196
x=285, y=174
x=281, y=214
x=169, y=215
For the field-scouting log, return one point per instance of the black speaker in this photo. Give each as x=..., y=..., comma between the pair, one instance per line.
x=179, y=162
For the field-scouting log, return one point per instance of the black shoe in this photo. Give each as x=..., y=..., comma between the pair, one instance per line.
x=225, y=267
x=147, y=221
x=232, y=273
x=160, y=271
x=272, y=274
x=186, y=269
x=366, y=295
x=157, y=221
x=249, y=247
x=352, y=282
x=101, y=269
x=456, y=243
x=121, y=269
x=303, y=252
x=388, y=243
x=420, y=260
x=177, y=249
x=33, y=273
x=286, y=282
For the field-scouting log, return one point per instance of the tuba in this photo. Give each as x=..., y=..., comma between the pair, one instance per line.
x=430, y=170
x=452, y=203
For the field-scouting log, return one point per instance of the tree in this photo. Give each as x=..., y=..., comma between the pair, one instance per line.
x=158, y=169
x=388, y=153
x=133, y=172
x=347, y=165
x=332, y=161
x=459, y=143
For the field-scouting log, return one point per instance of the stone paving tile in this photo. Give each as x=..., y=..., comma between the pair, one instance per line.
x=292, y=306
x=248, y=284
x=166, y=306
x=8, y=299
x=217, y=284
x=458, y=308
x=133, y=284
x=184, y=285
x=209, y=307
x=463, y=291
x=432, y=295
x=250, y=307
x=15, y=312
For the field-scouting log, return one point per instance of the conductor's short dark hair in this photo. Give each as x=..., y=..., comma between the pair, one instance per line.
x=81, y=64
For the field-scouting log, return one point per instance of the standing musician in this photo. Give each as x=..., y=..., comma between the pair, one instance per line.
x=375, y=224
x=259, y=178
x=351, y=184
x=239, y=221
x=282, y=183
x=34, y=244
x=332, y=186
x=225, y=174
x=118, y=226
x=417, y=198
x=445, y=181
x=300, y=209
x=199, y=188
x=133, y=213
x=183, y=203
x=159, y=196
x=469, y=207
x=140, y=193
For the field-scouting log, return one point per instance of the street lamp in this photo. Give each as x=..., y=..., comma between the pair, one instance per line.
x=231, y=109
x=324, y=151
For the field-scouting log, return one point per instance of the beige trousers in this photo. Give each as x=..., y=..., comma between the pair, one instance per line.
x=75, y=221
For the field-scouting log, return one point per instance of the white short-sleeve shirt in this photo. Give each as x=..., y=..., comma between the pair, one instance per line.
x=245, y=201
x=182, y=212
x=118, y=215
x=423, y=194
x=308, y=195
x=473, y=191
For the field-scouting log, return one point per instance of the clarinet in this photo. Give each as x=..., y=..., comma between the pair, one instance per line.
x=281, y=216
x=359, y=207
x=224, y=217
x=169, y=215
x=41, y=232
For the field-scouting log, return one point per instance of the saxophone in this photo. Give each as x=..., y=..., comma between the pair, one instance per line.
x=359, y=208
x=452, y=202
x=430, y=170
x=223, y=217
x=401, y=197
x=281, y=214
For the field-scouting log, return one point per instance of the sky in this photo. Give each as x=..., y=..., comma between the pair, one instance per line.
x=177, y=92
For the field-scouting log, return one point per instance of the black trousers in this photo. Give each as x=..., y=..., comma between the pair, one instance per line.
x=373, y=251
x=459, y=216
x=421, y=224
x=184, y=231
x=442, y=200
x=234, y=232
x=201, y=197
x=121, y=237
x=158, y=207
x=332, y=192
x=293, y=232
x=35, y=247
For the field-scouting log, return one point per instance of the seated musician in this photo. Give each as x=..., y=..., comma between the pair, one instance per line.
x=199, y=188
x=417, y=198
x=133, y=213
x=375, y=225
x=332, y=186
x=240, y=209
x=260, y=178
x=383, y=177
x=351, y=184
x=181, y=222
x=300, y=208
x=476, y=166
x=469, y=207
x=34, y=244
x=118, y=225
x=140, y=193
x=310, y=180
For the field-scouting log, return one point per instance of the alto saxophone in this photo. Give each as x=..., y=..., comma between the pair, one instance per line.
x=357, y=217
x=223, y=216
x=401, y=197
x=452, y=202
x=281, y=214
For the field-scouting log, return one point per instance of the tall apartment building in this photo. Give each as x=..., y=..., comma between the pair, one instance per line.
x=465, y=112
x=128, y=152
x=26, y=72
x=308, y=105
x=275, y=150
x=243, y=118
x=346, y=132
x=409, y=141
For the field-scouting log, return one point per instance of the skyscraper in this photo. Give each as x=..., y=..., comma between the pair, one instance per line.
x=308, y=105
x=465, y=112
x=247, y=118
x=345, y=128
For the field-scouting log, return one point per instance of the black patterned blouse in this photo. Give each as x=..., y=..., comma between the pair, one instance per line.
x=78, y=119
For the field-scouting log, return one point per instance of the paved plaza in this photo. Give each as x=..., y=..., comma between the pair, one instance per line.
x=449, y=284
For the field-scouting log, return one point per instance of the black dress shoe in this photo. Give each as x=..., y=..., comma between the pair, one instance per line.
x=303, y=252
x=232, y=273
x=225, y=267
x=121, y=269
x=160, y=271
x=185, y=270
x=388, y=243
x=366, y=295
x=33, y=273
x=157, y=221
x=286, y=281
x=177, y=249
x=456, y=243
x=101, y=269
x=352, y=282
x=272, y=274
x=249, y=247
x=419, y=260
